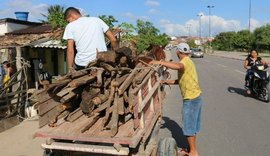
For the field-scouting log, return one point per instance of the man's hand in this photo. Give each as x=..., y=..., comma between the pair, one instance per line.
x=154, y=62
x=71, y=70
x=169, y=82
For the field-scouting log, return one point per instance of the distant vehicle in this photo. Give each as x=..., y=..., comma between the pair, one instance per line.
x=196, y=52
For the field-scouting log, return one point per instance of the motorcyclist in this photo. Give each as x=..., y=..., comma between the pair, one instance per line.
x=251, y=60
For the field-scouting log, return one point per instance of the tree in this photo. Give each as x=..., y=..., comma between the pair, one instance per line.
x=128, y=31
x=243, y=40
x=148, y=35
x=191, y=43
x=109, y=20
x=225, y=41
x=55, y=16
x=262, y=38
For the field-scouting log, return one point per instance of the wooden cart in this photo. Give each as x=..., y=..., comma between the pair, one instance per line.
x=138, y=136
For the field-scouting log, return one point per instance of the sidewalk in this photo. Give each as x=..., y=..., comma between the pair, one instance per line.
x=238, y=55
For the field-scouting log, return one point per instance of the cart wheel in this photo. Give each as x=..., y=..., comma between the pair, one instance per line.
x=167, y=147
x=52, y=153
x=48, y=153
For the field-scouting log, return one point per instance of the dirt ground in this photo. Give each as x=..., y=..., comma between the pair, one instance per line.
x=19, y=141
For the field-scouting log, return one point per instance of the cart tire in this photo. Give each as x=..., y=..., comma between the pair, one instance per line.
x=47, y=153
x=167, y=147
x=52, y=153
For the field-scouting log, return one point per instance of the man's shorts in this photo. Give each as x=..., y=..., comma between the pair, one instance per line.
x=191, y=116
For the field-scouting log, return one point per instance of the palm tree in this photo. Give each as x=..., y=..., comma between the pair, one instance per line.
x=55, y=16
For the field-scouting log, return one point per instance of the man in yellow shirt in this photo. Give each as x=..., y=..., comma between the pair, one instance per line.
x=191, y=93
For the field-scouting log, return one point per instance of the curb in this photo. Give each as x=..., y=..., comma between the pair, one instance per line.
x=227, y=57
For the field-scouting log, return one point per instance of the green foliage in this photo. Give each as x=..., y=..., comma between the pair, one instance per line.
x=55, y=16
x=148, y=35
x=191, y=43
x=262, y=37
x=224, y=41
x=243, y=40
x=109, y=20
x=128, y=31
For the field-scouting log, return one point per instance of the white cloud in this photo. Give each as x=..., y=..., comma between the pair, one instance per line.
x=153, y=11
x=254, y=24
x=218, y=24
x=134, y=17
x=152, y=3
x=35, y=10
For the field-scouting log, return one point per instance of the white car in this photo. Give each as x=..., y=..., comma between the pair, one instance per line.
x=196, y=52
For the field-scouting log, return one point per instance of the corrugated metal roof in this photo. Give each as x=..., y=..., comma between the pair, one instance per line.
x=47, y=43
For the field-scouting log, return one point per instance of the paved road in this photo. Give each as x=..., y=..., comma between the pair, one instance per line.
x=232, y=124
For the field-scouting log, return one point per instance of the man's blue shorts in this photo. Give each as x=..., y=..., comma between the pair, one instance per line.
x=191, y=116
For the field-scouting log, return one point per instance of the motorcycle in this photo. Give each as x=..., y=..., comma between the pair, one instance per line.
x=260, y=82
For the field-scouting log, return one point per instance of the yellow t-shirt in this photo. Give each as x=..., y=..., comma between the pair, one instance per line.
x=188, y=80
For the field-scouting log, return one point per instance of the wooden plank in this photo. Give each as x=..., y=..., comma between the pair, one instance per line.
x=44, y=96
x=74, y=115
x=148, y=97
x=52, y=115
x=110, y=150
x=82, y=80
x=110, y=100
x=67, y=97
x=79, y=73
x=115, y=118
x=144, y=81
x=102, y=107
x=95, y=134
x=58, y=84
x=45, y=119
x=65, y=91
x=93, y=120
x=127, y=82
x=47, y=106
x=120, y=103
x=141, y=76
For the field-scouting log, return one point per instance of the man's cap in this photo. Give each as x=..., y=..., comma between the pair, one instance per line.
x=183, y=47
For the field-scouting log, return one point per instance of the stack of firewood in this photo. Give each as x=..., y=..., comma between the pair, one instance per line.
x=104, y=90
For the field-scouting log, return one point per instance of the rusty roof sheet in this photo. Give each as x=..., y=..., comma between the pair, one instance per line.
x=21, y=40
x=12, y=40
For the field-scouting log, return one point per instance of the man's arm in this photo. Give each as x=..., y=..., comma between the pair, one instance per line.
x=169, y=82
x=70, y=54
x=111, y=37
x=171, y=65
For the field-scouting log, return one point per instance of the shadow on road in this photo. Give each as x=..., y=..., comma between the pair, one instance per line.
x=239, y=91
x=177, y=132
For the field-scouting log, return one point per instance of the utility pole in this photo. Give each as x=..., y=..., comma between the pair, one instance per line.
x=188, y=28
x=200, y=25
x=210, y=7
x=249, y=24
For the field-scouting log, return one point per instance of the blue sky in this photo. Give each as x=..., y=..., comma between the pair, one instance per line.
x=170, y=16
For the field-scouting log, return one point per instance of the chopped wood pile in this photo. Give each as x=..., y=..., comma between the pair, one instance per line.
x=102, y=91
